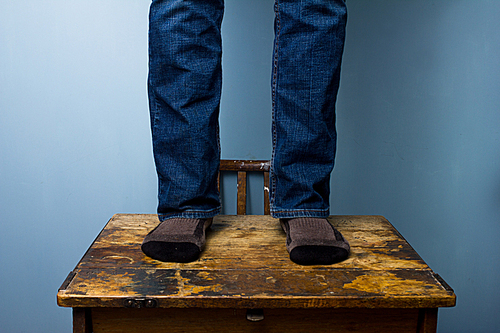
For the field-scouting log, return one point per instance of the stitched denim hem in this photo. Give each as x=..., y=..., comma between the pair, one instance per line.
x=191, y=214
x=294, y=213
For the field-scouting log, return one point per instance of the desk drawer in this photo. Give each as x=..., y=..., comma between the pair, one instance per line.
x=235, y=320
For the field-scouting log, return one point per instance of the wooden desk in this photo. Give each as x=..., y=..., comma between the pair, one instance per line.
x=384, y=286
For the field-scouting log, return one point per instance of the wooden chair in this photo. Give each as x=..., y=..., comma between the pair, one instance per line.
x=242, y=167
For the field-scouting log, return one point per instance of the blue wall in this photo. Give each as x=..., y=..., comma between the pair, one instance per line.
x=418, y=122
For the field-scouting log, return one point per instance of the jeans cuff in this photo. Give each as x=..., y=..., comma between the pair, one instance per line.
x=191, y=214
x=294, y=213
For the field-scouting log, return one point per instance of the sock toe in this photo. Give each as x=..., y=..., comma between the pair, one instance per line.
x=171, y=252
x=318, y=255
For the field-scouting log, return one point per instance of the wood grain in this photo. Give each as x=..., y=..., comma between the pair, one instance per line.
x=245, y=265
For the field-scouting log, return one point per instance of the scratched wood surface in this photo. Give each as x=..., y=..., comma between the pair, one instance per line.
x=245, y=265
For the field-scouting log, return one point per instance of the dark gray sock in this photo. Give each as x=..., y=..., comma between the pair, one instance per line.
x=314, y=241
x=176, y=240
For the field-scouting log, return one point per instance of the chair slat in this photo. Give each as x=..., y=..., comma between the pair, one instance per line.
x=242, y=167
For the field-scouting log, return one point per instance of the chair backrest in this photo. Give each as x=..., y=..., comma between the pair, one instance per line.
x=242, y=167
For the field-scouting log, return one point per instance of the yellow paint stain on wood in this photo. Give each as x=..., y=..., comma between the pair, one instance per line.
x=104, y=283
x=379, y=261
x=372, y=239
x=118, y=258
x=186, y=289
x=205, y=276
x=389, y=284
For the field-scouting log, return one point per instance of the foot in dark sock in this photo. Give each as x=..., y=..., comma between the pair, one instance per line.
x=314, y=241
x=176, y=240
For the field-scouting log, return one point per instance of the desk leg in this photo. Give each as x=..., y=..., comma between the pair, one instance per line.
x=82, y=320
x=427, y=320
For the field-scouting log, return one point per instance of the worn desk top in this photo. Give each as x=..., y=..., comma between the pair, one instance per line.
x=245, y=265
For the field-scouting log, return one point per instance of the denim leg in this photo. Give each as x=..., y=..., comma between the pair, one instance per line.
x=184, y=86
x=309, y=42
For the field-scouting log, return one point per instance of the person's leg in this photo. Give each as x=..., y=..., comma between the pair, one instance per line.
x=184, y=85
x=309, y=42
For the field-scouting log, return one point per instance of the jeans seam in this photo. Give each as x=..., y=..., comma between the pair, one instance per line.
x=274, y=86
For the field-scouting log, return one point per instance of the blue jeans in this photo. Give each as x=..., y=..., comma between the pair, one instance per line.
x=185, y=82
